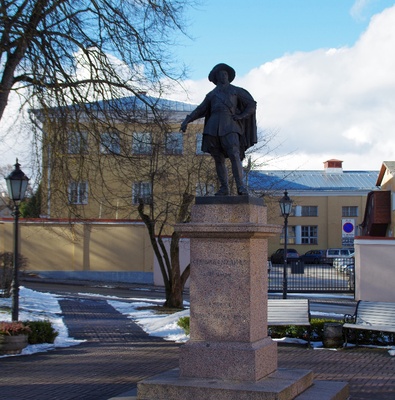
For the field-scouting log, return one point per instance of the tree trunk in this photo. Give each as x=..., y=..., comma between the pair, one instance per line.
x=176, y=297
x=170, y=266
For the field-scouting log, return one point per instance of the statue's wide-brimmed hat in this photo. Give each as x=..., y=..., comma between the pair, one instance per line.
x=212, y=76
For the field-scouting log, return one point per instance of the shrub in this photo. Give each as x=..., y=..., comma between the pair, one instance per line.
x=293, y=331
x=183, y=323
x=375, y=338
x=316, y=333
x=14, y=328
x=300, y=332
x=317, y=329
x=41, y=332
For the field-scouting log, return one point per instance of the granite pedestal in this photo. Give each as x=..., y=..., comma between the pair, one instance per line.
x=229, y=354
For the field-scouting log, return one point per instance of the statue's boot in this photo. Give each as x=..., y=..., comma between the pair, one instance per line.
x=237, y=170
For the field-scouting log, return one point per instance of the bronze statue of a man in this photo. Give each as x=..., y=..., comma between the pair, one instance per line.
x=229, y=126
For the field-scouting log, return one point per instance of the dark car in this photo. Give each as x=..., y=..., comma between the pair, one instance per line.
x=314, y=257
x=278, y=256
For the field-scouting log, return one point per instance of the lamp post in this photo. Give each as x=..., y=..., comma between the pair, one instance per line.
x=17, y=184
x=286, y=208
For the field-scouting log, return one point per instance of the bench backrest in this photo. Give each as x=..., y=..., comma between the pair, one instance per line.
x=375, y=313
x=288, y=312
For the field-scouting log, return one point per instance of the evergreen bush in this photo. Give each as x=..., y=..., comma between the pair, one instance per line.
x=41, y=332
x=183, y=323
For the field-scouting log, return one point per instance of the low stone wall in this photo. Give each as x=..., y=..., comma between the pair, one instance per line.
x=109, y=250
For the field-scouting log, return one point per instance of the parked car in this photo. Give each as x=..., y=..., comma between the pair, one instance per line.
x=278, y=256
x=342, y=263
x=331, y=254
x=314, y=257
x=350, y=269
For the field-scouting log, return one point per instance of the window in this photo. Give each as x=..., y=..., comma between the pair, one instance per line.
x=350, y=211
x=199, y=139
x=291, y=238
x=142, y=143
x=110, y=143
x=142, y=190
x=78, y=143
x=309, y=211
x=174, y=143
x=310, y=234
x=78, y=193
x=205, y=189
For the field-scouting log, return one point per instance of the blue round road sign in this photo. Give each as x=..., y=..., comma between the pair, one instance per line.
x=348, y=227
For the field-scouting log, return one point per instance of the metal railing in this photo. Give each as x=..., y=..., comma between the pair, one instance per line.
x=328, y=276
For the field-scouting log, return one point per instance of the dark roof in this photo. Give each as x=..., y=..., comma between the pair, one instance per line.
x=141, y=101
x=313, y=180
x=141, y=104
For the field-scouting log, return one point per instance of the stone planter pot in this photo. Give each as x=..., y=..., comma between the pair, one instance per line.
x=12, y=344
x=333, y=335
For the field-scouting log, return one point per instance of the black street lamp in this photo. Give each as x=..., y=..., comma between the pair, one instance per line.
x=17, y=183
x=286, y=208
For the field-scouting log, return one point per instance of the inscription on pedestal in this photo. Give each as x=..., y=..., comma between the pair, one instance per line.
x=220, y=262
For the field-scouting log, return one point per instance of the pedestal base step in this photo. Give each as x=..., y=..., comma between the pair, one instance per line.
x=283, y=384
x=326, y=390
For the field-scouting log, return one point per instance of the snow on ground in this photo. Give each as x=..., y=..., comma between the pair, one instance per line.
x=163, y=325
x=45, y=306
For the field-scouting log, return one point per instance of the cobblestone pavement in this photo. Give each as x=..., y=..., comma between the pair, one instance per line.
x=117, y=354
x=370, y=372
x=115, y=357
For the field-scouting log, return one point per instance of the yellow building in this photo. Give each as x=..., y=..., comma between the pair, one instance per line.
x=101, y=164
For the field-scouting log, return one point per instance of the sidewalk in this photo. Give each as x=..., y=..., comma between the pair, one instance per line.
x=118, y=354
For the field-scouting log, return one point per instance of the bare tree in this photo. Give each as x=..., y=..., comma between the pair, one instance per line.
x=70, y=51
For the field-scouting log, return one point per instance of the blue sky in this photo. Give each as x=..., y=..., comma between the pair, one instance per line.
x=248, y=33
x=321, y=71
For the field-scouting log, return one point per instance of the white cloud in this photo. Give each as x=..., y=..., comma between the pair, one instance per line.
x=15, y=138
x=329, y=103
x=358, y=9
